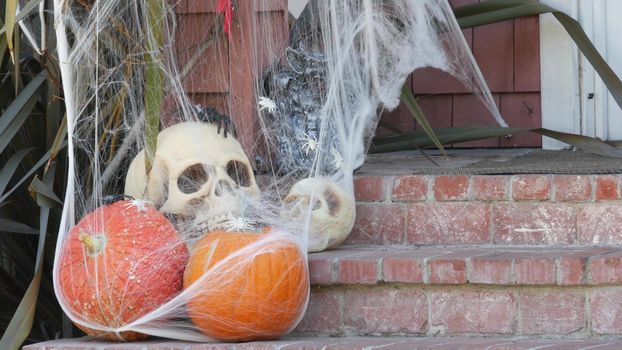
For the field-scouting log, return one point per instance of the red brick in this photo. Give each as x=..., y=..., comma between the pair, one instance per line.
x=533, y=223
x=358, y=271
x=491, y=188
x=385, y=311
x=472, y=311
x=571, y=270
x=369, y=188
x=600, y=224
x=531, y=187
x=447, y=271
x=606, y=310
x=448, y=223
x=572, y=188
x=410, y=188
x=532, y=270
x=381, y=223
x=321, y=271
x=323, y=314
x=607, y=187
x=553, y=312
x=491, y=270
x=447, y=188
x=402, y=269
x=606, y=268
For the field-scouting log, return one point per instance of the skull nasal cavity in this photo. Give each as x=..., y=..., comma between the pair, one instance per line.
x=222, y=188
x=239, y=173
x=192, y=179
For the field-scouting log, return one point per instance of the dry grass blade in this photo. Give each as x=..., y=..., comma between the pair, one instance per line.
x=23, y=13
x=9, y=23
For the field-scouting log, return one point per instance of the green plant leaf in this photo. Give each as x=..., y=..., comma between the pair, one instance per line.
x=10, y=226
x=15, y=55
x=3, y=46
x=410, y=102
x=32, y=170
x=154, y=81
x=420, y=139
x=57, y=145
x=584, y=143
x=21, y=323
x=8, y=170
x=488, y=6
x=493, y=11
x=18, y=111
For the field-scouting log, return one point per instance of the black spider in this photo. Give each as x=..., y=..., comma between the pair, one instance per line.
x=211, y=115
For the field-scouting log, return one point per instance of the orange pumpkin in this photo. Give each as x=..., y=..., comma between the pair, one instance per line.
x=118, y=263
x=256, y=293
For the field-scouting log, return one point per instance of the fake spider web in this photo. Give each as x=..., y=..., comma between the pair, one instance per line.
x=142, y=264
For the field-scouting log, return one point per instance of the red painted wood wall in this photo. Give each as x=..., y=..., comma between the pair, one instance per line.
x=508, y=54
x=224, y=76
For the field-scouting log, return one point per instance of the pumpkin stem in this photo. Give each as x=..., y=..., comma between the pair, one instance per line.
x=94, y=244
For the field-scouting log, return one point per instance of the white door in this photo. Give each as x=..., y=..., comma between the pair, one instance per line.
x=574, y=98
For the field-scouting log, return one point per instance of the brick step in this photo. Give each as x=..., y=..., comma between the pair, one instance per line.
x=553, y=210
x=492, y=265
x=347, y=343
x=473, y=291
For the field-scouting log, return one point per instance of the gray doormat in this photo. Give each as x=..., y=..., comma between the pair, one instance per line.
x=535, y=162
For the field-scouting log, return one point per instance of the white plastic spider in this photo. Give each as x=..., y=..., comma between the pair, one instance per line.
x=266, y=103
x=337, y=159
x=310, y=144
x=139, y=204
x=239, y=224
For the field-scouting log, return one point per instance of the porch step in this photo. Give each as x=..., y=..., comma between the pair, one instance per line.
x=455, y=265
x=456, y=291
x=555, y=210
x=348, y=343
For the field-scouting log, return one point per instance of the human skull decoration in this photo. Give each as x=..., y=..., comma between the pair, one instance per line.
x=332, y=211
x=198, y=174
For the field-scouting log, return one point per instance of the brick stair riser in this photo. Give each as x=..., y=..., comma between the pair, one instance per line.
x=578, y=210
x=453, y=310
x=508, y=266
x=349, y=343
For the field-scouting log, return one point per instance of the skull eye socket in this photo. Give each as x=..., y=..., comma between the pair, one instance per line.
x=192, y=179
x=333, y=202
x=239, y=173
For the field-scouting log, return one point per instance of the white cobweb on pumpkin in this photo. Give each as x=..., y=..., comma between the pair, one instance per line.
x=317, y=100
